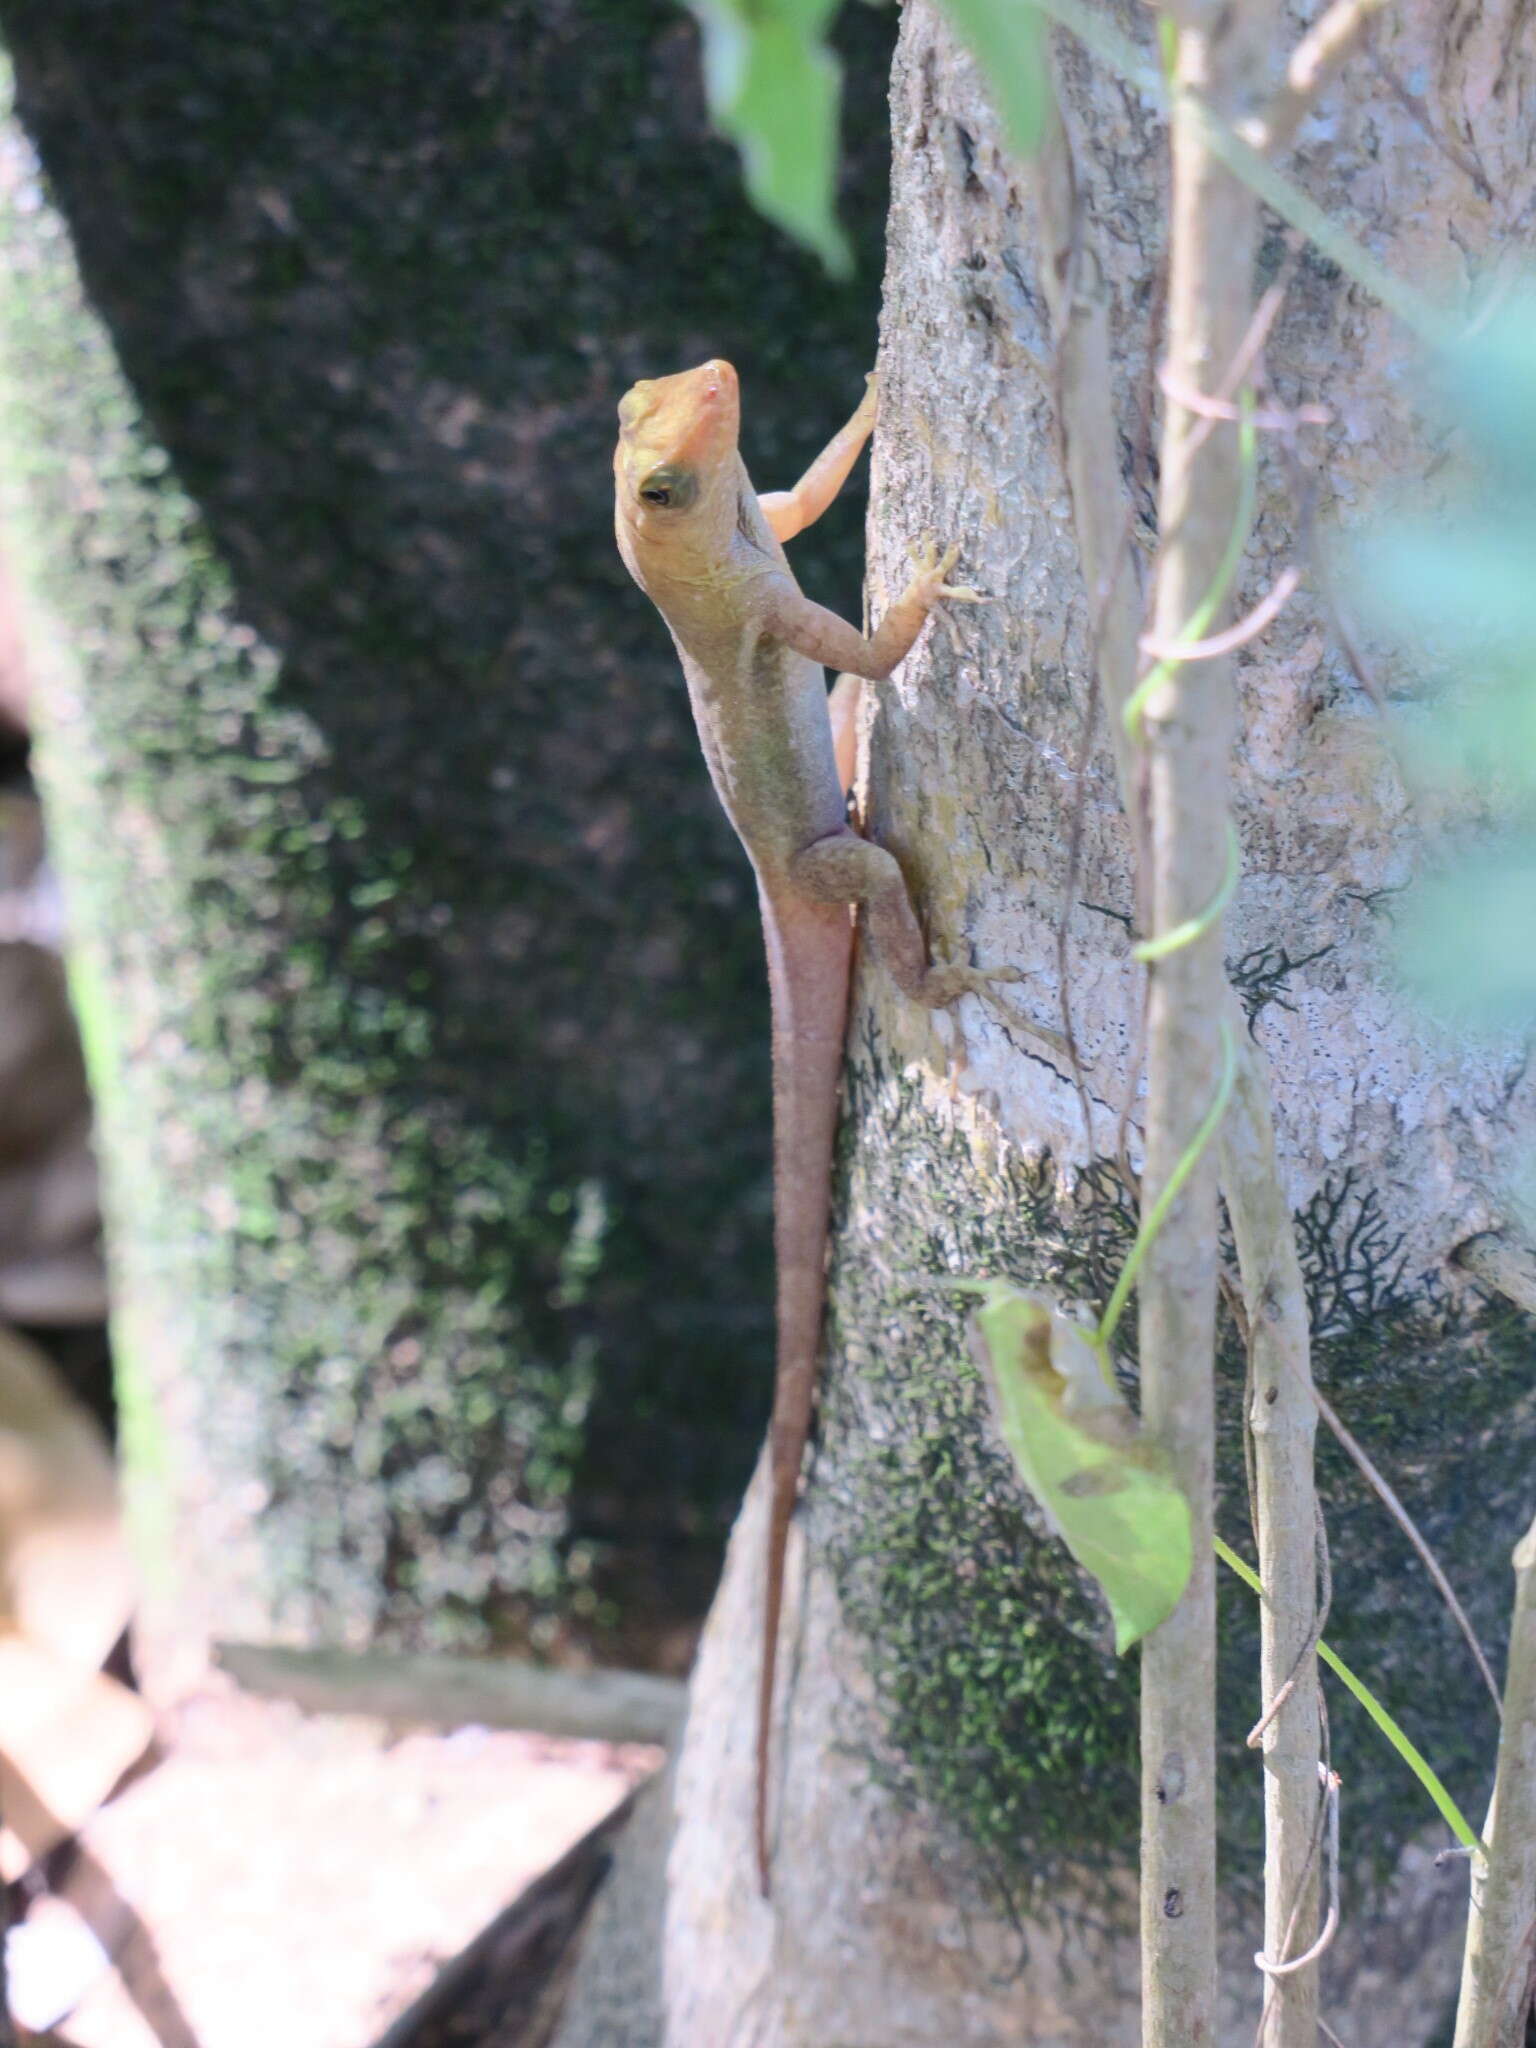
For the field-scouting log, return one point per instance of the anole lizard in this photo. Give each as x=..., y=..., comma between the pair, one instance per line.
x=706, y=549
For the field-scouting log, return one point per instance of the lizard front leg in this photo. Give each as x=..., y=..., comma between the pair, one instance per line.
x=789, y=615
x=791, y=512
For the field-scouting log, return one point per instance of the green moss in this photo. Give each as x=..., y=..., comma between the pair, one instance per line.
x=1004, y=1714
x=1007, y=1714
x=263, y=1157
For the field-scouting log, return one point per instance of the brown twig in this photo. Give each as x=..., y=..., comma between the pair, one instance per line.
x=1267, y=419
x=1212, y=409
x=1306, y=1655
x=1383, y=1491
x=1330, y=1926
x=1305, y=1885
x=1523, y=1957
x=1187, y=729
x=1271, y=1277
x=1281, y=1420
x=1312, y=63
x=1418, y=112
x=1063, y=932
x=1495, y=1995
x=1105, y=526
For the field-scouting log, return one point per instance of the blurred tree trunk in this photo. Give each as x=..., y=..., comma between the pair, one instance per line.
x=959, y=1807
x=420, y=972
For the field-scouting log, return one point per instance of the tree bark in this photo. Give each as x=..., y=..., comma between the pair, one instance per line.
x=960, y=1743
x=1498, y=1965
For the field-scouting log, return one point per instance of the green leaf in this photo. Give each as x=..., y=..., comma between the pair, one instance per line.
x=1491, y=379
x=1007, y=39
x=1464, y=588
x=1467, y=938
x=773, y=87
x=1466, y=585
x=1105, y=1489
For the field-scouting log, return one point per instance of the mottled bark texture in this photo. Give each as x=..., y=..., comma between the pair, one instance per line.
x=438, y=1134
x=1498, y=1967
x=959, y=1743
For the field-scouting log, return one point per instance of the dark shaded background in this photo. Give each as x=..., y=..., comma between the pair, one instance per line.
x=449, y=886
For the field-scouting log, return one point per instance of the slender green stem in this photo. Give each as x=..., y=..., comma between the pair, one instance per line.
x=1186, y=933
x=1152, y=1222
x=1199, y=620
x=1411, y=1755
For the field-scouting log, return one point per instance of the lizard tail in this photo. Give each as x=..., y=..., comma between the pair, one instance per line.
x=810, y=951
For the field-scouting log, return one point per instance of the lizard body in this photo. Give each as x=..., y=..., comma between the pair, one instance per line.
x=707, y=550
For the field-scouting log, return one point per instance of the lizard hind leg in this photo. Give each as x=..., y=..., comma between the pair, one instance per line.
x=843, y=868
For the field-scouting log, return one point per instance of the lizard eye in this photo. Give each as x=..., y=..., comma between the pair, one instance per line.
x=670, y=489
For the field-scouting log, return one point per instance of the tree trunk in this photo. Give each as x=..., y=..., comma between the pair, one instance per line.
x=956, y=1821
x=412, y=944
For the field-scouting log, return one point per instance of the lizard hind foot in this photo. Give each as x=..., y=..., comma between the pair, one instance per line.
x=947, y=981
x=986, y=985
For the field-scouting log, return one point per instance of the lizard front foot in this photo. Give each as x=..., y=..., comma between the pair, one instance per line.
x=929, y=584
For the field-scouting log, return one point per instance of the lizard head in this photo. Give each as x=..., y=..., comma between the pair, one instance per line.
x=676, y=457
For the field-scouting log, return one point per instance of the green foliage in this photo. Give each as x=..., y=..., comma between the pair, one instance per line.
x=773, y=88
x=1103, y=1488
x=1463, y=588
x=1106, y=1491
x=1491, y=380
x=1468, y=935
x=1007, y=39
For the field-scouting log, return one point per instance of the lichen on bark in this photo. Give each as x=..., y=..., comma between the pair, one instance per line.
x=215, y=868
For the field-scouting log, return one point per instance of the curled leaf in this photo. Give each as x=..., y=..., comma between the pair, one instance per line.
x=1105, y=1490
